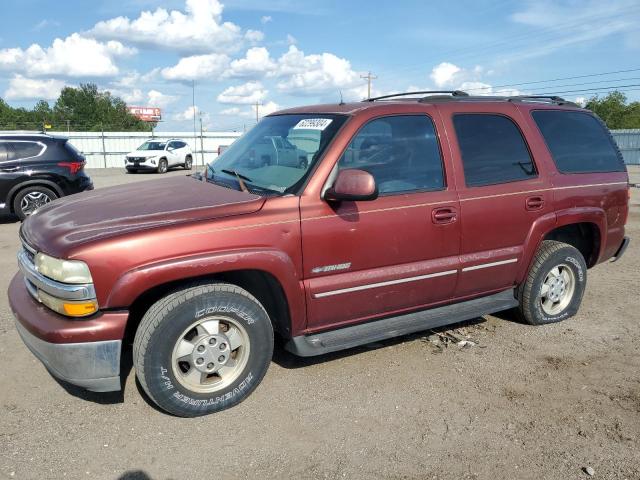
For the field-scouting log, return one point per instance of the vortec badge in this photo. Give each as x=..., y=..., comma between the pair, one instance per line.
x=331, y=268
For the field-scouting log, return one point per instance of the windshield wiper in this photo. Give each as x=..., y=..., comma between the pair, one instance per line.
x=240, y=178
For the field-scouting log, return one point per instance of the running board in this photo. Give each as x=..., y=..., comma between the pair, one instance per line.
x=363, y=333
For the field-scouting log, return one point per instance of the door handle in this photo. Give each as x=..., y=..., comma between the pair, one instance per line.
x=9, y=169
x=534, y=203
x=443, y=216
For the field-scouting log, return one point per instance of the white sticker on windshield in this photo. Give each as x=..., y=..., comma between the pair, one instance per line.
x=313, y=124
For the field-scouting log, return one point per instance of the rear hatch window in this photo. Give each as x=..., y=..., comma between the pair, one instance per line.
x=578, y=142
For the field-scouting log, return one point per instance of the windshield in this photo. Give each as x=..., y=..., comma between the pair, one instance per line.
x=277, y=154
x=152, y=146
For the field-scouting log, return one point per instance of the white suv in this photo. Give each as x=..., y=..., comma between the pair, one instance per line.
x=159, y=155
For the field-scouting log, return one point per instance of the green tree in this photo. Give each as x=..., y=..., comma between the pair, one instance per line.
x=81, y=108
x=615, y=111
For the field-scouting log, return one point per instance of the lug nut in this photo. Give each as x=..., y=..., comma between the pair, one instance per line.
x=221, y=358
x=212, y=341
x=200, y=361
x=201, y=348
x=223, y=346
x=209, y=366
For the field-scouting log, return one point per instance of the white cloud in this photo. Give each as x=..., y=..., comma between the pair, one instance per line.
x=186, y=114
x=21, y=88
x=198, y=66
x=444, y=74
x=197, y=30
x=311, y=74
x=75, y=56
x=159, y=99
x=291, y=40
x=268, y=108
x=266, y=19
x=250, y=112
x=254, y=36
x=256, y=63
x=247, y=93
x=44, y=24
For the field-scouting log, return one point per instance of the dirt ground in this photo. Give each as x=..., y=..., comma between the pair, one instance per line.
x=522, y=403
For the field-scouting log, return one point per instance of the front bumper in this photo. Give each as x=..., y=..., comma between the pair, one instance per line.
x=83, y=352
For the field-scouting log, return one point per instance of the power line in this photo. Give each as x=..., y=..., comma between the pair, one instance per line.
x=368, y=77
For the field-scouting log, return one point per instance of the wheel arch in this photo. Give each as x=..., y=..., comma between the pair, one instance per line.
x=37, y=182
x=567, y=226
x=263, y=285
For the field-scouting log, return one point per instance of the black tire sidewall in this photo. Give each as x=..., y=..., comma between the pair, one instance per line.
x=17, y=200
x=172, y=396
x=166, y=166
x=573, y=259
x=188, y=162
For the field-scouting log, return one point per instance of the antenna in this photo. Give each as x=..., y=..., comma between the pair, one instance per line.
x=341, y=101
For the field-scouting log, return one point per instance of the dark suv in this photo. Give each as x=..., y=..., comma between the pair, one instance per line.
x=36, y=169
x=410, y=214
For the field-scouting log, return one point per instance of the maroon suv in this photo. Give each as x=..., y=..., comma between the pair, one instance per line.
x=409, y=213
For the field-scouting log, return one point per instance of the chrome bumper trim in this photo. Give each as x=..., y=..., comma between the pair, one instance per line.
x=91, y=365
x=65, y=291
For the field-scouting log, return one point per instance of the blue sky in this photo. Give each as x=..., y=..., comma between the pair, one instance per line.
x=284, y=53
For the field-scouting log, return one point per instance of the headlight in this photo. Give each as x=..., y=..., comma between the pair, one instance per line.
x=65, y=271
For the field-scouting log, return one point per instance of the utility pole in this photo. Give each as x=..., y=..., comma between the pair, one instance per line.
x=201, y=139
x=68, y=127
x=368, y=77
x=257, y=105
x=193, y=108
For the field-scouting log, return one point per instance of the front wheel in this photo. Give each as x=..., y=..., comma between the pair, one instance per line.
x=303, y=163
x=555, y=284
x=188, y=162
x=163, y=166
x=203, y=349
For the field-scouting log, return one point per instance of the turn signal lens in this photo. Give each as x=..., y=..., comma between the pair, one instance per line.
x=65, y=307
x=80, y=309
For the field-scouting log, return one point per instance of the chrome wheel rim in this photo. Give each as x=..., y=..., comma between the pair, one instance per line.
x=32, y=201
x=210, y=354
x=557, y=289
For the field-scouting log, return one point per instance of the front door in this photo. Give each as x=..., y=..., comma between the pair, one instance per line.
x=399, y=252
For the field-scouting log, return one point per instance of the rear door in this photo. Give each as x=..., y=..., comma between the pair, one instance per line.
x=399, y=252
x=173, y=153
x=502, y=193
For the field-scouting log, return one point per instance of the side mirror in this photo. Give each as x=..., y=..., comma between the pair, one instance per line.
x=352, y=185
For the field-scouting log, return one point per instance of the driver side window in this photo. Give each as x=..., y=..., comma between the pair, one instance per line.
x=401, y=152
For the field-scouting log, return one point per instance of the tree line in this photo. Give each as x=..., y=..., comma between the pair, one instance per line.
x=81, y=108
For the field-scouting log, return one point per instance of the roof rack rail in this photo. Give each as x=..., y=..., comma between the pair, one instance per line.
x=551, y=98
x=453, y=93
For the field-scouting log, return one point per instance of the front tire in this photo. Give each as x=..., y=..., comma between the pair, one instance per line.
x=29, y=199
x=555, y=284
x=203, y=349
x=188, y=162
x=163, y=166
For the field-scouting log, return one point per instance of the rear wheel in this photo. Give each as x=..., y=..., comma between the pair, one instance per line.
x=30, y=199
x=188, y=162
x=163, y=166
x=555, y=284
x=203, y=349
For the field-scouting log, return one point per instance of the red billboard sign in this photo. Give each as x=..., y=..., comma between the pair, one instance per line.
x=146, y=114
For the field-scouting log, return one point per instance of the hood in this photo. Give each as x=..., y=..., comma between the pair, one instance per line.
x=107, y=212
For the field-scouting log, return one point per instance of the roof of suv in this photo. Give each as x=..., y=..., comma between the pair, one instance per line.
x=428, y=97
x=8, y=135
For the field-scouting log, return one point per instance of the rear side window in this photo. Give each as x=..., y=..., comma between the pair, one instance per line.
x=578, y=142
x=493, y=150
x=26, y=149
x=401, y=152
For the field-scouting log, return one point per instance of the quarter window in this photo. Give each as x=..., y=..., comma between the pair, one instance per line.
x=578, y=142
x=26, y=149
x=493, y=150
x=401, y=152
x=4, y=152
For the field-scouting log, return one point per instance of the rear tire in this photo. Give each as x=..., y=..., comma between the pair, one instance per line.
x=555, y=284
x=203, y=349
x=31, y=198
x=163, y=166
